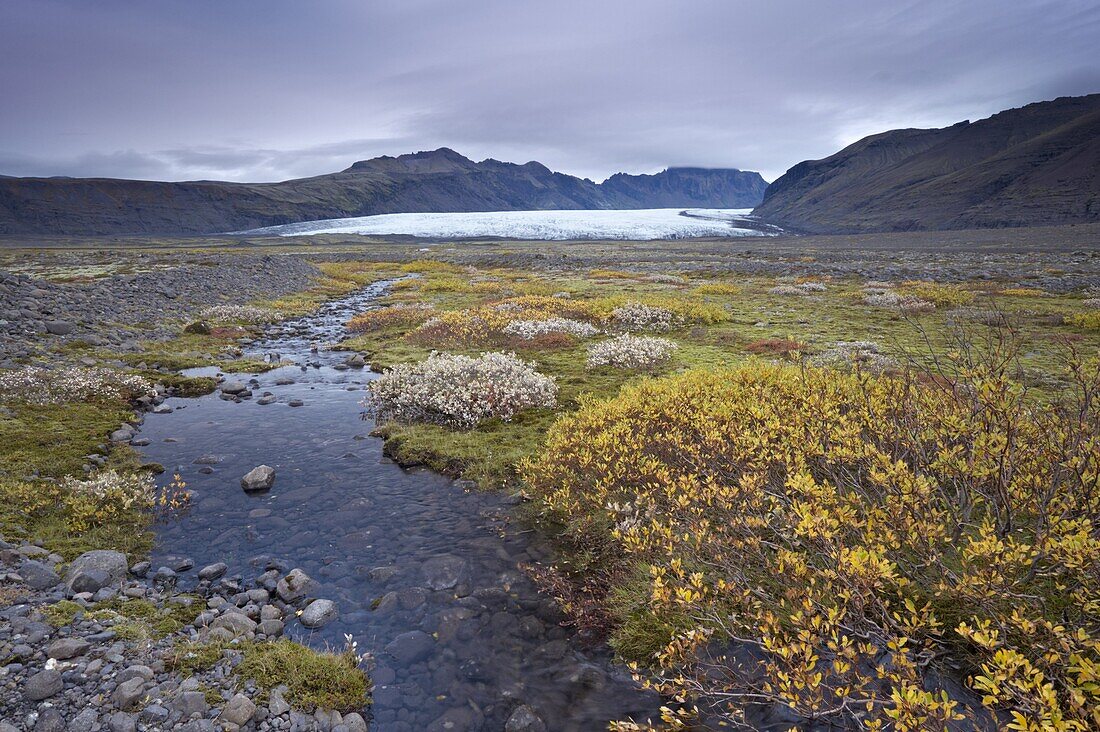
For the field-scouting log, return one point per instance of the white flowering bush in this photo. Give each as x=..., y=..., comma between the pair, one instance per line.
x=630, y=352
x=806, y=288
x=865, y=354
x=531, y=329
x=105, y=498
x=459, y=391
x=238, y=314
x=635, y=316
x=892, y=300
x=37, y=385
x=1092, y=302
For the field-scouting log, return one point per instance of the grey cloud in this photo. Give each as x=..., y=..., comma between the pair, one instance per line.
x=203, y=89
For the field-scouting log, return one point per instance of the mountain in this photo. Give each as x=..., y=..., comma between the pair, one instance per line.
x=1033, y=166
x=439, y=180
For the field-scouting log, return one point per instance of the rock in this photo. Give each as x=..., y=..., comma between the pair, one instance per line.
x=191, y=702
x=37, y=575
x=140, y=569
x=236, y=623
x=235, y=388
x=444, y=572
x=355, y=722
x=295, y=403
x=137, y=671
x=410, y=647
x=129, y=693
x=238, y=710
x=43, y=685
x=121, y=722
x=318, y=613
x=271, y=628
x=86, y=720
x=49, y=720
x=59, y=327
x=260, y=478
x=355, y=361
x=213, y=571
x=524, y=719
x=276, y=705
x=111, y=562
x=66, y=648
x=90, y=579
x=294, y=586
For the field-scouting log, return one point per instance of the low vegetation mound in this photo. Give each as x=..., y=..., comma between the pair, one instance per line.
x=839, y=543
x=630, y=352
x=37, y=385
x=460, y=391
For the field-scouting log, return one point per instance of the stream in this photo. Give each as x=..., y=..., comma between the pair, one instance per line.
x=426, y=575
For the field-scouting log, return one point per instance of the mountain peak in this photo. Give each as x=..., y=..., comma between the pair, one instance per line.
x=441, y=160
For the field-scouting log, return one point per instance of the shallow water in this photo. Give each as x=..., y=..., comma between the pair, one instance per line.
x=446, y=561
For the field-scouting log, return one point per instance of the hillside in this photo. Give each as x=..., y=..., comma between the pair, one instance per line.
x=1036, y=165
x=440, y=180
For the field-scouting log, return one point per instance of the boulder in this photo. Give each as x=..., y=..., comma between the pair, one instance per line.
x=319, y=613
x=37, y=575
x=213, y=571
x=89, y=580
x=411, y=647
x=59, y=327
x=260, y=478
x=524, y=719
x=111, y=563
x=235, y=388
x=65, y=648
x=236, y=623
x=294, y=586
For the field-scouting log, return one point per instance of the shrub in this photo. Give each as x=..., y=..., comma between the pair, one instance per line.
x=460, y=328
x=1024, y=292
x=717, y=288
x=37, y=385
x=805, y=288
x=940, y=295
x=891, y=299
x=1088, y=320
x=530, y=329
x=459, y=391
x=1092, y=302
x=239, y=314
x=630, y=352
x=862, y=354
x=635, y=316
x=836, y=542
x=394, y=316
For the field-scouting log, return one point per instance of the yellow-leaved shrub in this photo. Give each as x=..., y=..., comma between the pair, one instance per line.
x=838, y=543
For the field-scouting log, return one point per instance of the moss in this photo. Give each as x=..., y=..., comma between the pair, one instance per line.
x=188, y=658
x=314, y=679
x=138, y=619
x=52, y=440
x=62, y=613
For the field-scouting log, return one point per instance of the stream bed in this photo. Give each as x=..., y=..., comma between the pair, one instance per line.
x=425, y=573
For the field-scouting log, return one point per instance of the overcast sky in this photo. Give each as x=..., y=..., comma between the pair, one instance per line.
x=265, y=90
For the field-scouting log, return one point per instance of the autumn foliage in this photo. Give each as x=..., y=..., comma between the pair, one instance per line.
x=841, y=543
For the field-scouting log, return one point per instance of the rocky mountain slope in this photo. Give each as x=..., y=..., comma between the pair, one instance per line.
x=1036, y=165
x=440, y=180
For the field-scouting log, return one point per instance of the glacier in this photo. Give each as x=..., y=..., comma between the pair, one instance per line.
x=637, y=225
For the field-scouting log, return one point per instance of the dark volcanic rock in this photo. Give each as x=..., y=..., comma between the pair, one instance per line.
x=1037, y=165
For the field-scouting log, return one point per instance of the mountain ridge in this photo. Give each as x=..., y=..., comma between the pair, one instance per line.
x=440, y=180
x=1034, y=165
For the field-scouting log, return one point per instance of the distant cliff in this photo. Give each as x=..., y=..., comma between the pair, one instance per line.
x=1036, y=165
x=440, y=180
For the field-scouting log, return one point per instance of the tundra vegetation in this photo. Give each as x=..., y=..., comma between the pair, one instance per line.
x=842, y=496
x=838, y=496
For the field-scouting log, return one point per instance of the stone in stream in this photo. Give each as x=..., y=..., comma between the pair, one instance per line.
x=524, y=719
x=260, y=478
x=213, y=571
x=235, y=388
x=294, y=586
x=410, y=647
x=319, y=613
x=444, y=571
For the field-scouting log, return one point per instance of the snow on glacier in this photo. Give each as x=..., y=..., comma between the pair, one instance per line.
x=655, y=223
